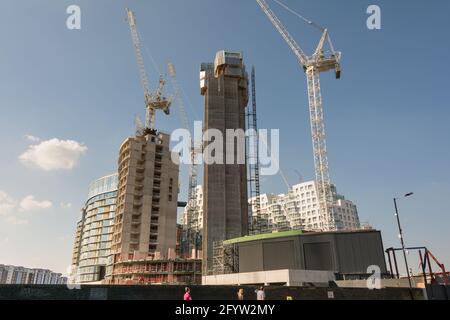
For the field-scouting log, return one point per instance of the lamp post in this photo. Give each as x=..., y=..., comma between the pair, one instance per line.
x=400, y=235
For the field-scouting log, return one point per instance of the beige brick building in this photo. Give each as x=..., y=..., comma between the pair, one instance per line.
x=145, y=224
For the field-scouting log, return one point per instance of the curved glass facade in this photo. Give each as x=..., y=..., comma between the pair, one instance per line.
x=94, y=259
x=103, y=185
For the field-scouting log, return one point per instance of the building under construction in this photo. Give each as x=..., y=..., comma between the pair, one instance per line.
x=145, y=222
x=159, y=271
x=145, y=232
x=224, y=84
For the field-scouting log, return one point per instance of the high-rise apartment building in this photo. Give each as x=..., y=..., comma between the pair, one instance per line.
x=21, y=275
x=91, y=258
x=145, y=225
x=296, y=210
x=299, y=210
x=224, y=85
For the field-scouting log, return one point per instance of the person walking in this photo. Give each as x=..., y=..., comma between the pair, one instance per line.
x=260, y=294
x=187, y=294
x=240, y=294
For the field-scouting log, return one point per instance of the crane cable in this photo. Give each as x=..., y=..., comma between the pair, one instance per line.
x=315, y=25
x=300, y=16
x=280, y=171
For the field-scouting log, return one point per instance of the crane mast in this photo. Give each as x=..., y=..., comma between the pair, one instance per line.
x=257, y=224
x=313, y=65
x=191, y=231
x=155, y=101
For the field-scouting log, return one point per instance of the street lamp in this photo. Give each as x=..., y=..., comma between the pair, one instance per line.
x=400, y=235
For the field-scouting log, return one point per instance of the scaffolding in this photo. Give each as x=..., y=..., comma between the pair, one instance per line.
x=231, y=258
x=256, y=223
x=218, y=258
x=225, y=258
x=158, y=271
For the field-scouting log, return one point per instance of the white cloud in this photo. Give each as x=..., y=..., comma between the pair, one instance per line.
x=7, y=203
x=31, y=138
x=11, y=209
x=65, y=205
x=30, y=204
x=53, y=154
x=16, y=221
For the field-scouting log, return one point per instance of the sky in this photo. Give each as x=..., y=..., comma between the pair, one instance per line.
x=68, y=98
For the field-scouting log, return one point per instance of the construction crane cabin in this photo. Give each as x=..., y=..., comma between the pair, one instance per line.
x=313, y=65
x=153, y=101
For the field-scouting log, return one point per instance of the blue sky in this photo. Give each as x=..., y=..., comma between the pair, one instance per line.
x=386, y=119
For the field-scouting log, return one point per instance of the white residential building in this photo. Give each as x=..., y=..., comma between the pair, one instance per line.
x=21, y=275
x=296, y=210
x=197, y=221
x=299, y=209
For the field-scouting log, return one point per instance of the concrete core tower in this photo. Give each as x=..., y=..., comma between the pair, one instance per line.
x=224, y=85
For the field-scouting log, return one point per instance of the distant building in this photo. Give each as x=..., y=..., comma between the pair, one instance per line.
x=145, y=225
x=21, y=275
x=91, y=258
x=224, y=85
x=197, y=221
x=299, y=210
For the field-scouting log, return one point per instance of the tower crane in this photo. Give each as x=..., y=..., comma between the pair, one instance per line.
x=153, y=101
x=191, y=232
x=313, y=65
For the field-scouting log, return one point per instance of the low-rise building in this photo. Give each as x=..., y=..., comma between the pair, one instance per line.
x=296, y=257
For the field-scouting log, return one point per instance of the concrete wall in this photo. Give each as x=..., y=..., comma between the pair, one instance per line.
x=288, y=277
x=40, y=292
x=385, y=283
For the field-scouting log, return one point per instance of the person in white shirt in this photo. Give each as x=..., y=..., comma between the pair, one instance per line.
x=260, y=294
